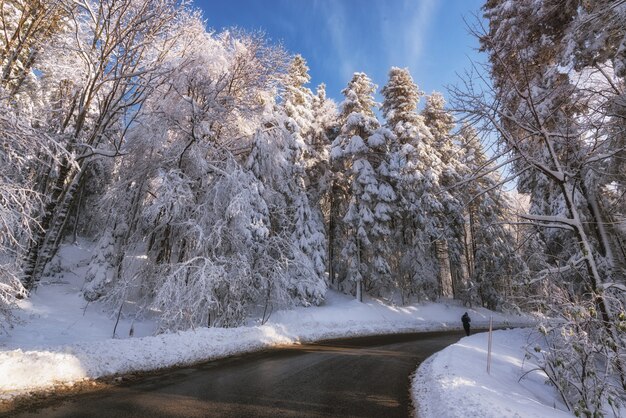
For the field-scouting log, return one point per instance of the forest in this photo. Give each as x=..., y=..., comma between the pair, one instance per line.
x=213, y=183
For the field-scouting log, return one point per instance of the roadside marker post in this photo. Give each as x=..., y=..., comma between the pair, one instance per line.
x=489, y=345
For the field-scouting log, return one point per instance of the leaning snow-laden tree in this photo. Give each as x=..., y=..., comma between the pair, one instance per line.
x=360, y=155
x=417, y=169
x=18, y=202
x=116, y=49
x=551, y=109
x=20, y=199
x=26, y=29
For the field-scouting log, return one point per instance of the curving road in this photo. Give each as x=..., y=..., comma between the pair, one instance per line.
x=362, y=377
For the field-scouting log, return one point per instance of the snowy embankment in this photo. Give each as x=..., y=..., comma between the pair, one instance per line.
x=454, y=382
x=61, y=341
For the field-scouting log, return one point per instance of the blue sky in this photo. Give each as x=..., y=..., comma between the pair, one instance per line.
x=339, y=37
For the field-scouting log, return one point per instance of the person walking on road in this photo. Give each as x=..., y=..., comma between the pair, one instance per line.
x=466, y=323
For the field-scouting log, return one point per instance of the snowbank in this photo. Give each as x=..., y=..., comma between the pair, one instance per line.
x=454, y=382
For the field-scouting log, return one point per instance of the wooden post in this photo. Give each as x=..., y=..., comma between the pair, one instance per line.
x=489, y=345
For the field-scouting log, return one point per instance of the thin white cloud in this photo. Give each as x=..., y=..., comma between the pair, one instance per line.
x=405, y=31
x=337, y=27
x=416, y=31
x=389, y=33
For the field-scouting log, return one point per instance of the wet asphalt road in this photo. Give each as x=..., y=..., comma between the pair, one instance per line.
x=363, y=377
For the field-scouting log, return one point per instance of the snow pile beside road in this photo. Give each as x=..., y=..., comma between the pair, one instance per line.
x=454, y=382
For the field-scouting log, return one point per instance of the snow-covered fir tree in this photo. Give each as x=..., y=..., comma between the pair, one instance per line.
x=416, y=168
x=308, y=221
x=360, y=153
x=441, y=123
x=494, y=268
x=319, y=139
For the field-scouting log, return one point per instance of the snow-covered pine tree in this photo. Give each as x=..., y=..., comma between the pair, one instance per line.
x=299, y=153
x=416, y=169
x=360, y=156
x=297, y=98
x=318, y=169
x=494, y=266
x=322, y=133
x=449, y=244
x=20, y=199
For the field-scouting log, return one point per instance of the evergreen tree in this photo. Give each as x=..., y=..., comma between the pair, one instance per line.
x=308, y=222
x=449, y=243
x=319, y=140
x=360, y=152
x=297, y=97
x=318, y=169
x=494, y=267
x=416, y=167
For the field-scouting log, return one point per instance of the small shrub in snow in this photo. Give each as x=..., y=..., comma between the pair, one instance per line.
x=583, y=363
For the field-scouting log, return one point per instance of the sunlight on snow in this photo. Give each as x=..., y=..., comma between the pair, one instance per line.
x=275, y=334
x=23, y=370
x=456, y=382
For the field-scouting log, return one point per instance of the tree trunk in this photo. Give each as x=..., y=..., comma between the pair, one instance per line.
x=595, y=278
x=331, y=235
x=445, y=275
x=359, y=283
x=41, y=249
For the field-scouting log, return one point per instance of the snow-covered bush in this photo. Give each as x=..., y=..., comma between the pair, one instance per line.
x=583, y=362
x=10, y=290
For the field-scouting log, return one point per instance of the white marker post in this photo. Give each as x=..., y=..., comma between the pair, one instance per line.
x=489, y=345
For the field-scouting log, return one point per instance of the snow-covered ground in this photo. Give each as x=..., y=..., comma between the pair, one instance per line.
x=455, y=383
x=63, y=340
